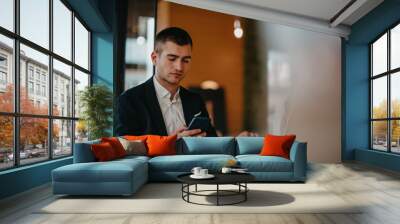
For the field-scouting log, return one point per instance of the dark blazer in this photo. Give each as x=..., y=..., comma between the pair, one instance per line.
x=139, y=112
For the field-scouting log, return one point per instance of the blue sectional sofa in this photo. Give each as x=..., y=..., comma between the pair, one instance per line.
x=125, y=176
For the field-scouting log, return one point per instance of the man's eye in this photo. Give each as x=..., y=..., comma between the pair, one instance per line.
x=186, y=61
x=171, y=59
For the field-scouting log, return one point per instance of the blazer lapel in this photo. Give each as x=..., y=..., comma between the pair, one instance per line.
x=187, y=109
x=154, y=106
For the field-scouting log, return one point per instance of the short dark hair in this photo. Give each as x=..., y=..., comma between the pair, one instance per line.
x=174, y=34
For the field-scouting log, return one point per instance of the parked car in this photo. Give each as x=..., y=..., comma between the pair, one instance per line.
x=10, y=156
x=57, y=152
x=22, y=155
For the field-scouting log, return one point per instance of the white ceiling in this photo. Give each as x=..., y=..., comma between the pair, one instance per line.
x=314, y=15
x=319, y=9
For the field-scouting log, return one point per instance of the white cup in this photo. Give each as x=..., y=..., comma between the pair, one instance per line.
x=203, y=172
x=196, y=170
x=226, y=170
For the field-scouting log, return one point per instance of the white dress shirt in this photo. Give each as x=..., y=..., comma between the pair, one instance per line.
x=172, y=111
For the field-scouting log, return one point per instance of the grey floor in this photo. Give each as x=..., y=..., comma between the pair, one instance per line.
x=353, y=182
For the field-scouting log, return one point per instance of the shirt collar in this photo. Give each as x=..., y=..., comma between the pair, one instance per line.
x=163, y=92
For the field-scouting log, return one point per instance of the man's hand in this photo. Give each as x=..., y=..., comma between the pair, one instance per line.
x=247, y=134
x=183, y=132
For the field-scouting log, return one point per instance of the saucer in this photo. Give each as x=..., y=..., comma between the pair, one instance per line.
x=208, y=176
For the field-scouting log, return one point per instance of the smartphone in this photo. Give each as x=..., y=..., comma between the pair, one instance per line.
x=202, y=123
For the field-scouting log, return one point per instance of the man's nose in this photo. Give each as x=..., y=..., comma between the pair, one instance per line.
x=179, y=65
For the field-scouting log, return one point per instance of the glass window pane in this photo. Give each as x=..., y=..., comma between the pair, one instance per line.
x=34, y=97
x=379, y=135
x=379, y=55
x=81, y=45
x=62, y=138
x=81, y=131
x=33, y=140
x=379, y=98
x=395, y=94
x=62, y=29
x=81, y=81
x=395, y=47
x=62, y=89
x=395, y=136
x=35, y=21
x=6, y=142
x=7, y=14
x=6, y=74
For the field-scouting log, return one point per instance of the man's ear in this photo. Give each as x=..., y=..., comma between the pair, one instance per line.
x=154, y=57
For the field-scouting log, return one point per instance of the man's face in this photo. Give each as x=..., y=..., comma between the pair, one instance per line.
x=172, y=62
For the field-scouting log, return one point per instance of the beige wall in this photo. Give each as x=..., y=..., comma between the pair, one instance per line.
x=217, y=54
x=304, y=88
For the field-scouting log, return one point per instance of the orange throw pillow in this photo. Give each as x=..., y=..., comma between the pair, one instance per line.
x=116, y=145
x=161, y=145
x=103, y=151
x=277, y=145
x=134, y=138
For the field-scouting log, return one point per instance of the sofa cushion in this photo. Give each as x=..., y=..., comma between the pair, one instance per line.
x=112, y=171
x=134, y=147
x=257, y=163
x=206, y=145
x=249, y=145
x=185, y=163
x=131, y=158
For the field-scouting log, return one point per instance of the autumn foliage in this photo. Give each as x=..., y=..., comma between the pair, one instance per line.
x=33, y=131
x=380, y=127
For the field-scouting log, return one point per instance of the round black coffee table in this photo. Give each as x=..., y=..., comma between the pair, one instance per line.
x=238, y=179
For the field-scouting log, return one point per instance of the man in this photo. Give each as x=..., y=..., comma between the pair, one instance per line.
x=161, y=106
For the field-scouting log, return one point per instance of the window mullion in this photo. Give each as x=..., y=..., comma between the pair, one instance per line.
x=389, y=106
x=16, y=85
x=50, y=81
x=370, y=98
x=89, y=55
x=73, y=82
